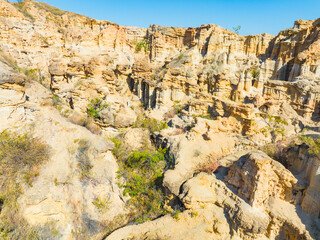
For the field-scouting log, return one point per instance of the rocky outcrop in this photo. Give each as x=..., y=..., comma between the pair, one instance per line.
x=306, y=167
x=267, y=178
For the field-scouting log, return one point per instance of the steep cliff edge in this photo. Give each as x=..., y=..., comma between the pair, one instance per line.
x=207, y=100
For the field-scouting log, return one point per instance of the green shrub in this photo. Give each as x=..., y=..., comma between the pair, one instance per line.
x=31, y=74
x=56, y=100
x=313, y=144
x=143, y=174
x=150, y=123
x=176, y=215
x=143, y=44
x=255, y=73
x=95, y=106
x=120, y=150
x=177, y=108
x=20, y=157
x=275, y=127
x=194, y=214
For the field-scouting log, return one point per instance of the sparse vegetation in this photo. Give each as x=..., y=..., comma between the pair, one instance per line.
x=95, y=106
x=176, y=215
x=49, y=8
x=205, y=116
x=102, y=205
x=22, y=7
x=194, y=214
x=313, y=144
x=275, y=150
x=31, y=74
x=84, y=164
x=275, y=126
x=153, y=125
x=9, y=60
x=20, y=157
x=56, y=100
x=142, y=173
x=143, y=44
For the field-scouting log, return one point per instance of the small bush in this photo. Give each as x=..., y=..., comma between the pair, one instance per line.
x=31, y=74
x=143, y=44
x=194, y=214
x=255, y=73
x=177, y=108
x=152, y=124
x=176, y=215
x=120, y=150
x=95, y=106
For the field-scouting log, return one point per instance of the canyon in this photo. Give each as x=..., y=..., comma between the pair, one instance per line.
x=228, y=125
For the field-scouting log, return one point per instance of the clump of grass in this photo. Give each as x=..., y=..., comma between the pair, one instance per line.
x=20, y=157
x=102, y=204
x=56, y=101
x=153, y=125
x=176, y=215
x=95, y=106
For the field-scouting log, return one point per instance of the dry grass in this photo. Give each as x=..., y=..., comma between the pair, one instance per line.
x=21, y=155
x=49, y=8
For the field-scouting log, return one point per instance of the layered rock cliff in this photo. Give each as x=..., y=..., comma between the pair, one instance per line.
x=208, y=96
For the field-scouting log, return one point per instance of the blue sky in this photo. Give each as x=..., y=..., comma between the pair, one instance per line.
x=253, y=16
